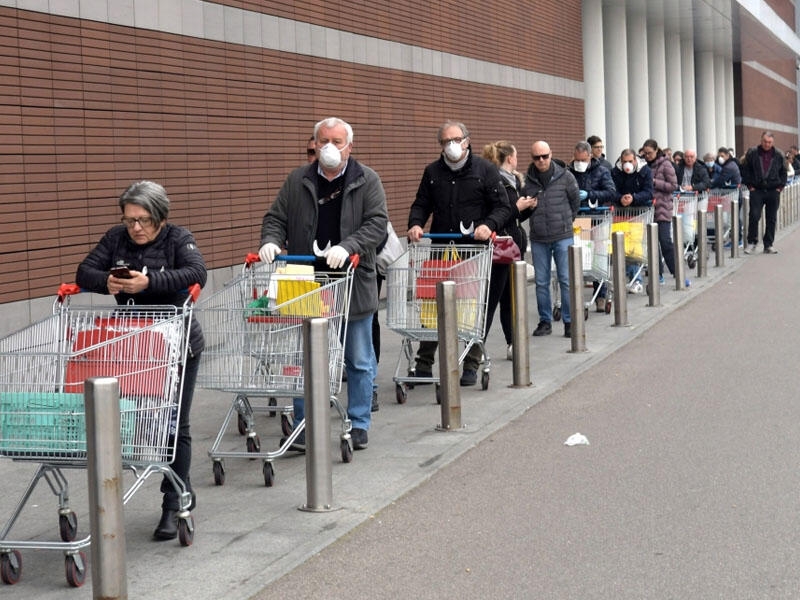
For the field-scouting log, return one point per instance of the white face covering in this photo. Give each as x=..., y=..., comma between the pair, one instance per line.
x=710, y=164
x=580, y=166
x=721, y=160
x=627, y=167
x=453, y=151
x=330, y=156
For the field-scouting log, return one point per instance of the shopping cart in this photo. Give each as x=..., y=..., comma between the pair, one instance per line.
x=42, y=420
x=411, y=309
x=686, y=204
x=632, y=222
x=592, y=229
x=720, y=197
x=253, y=329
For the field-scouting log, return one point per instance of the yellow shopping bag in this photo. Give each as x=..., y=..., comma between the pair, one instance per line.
x=634, y=232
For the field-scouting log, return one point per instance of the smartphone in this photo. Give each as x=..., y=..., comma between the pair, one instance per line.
x=121, y=272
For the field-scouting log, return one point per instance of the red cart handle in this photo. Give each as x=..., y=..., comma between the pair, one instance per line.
x=68, y=289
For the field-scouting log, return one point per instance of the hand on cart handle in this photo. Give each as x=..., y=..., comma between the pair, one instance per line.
x=268, y=252
x=253, y=258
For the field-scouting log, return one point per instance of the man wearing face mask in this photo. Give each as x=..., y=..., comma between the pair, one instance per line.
x=340, y=204
x=728, y=175
x=459, y=191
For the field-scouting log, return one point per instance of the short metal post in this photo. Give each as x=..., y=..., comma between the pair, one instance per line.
x=618, y=274
x=745, y=216
x=677, y=252
x=104, y=469
x=519, y=322
x=577, y=327
x=449, y=390
x=734, y=229
x=702, y=243
x=719, y=240
x=316, y=390
x=653, y=258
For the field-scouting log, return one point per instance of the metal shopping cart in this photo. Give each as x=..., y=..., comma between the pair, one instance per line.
x=632, y=222
x=42, y=420
x=720, y=197
x=254, y=348
x=411, y=309
x=686, y=204
x=592, y=228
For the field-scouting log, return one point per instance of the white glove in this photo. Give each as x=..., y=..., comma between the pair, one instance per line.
x=268, y=252
x=335, y=257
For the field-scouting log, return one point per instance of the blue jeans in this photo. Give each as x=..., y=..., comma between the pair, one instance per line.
x=543, y=254
x=361, y=368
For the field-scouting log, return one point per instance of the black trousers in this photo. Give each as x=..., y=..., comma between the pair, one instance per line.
x=769, y=201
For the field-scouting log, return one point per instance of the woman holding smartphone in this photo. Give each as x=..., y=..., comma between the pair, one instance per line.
x=151, y=262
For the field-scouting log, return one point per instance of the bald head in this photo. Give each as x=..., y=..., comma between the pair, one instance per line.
x=540, y=154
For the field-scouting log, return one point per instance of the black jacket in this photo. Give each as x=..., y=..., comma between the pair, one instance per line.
x=512, y=226
x=700, y=179
x=474, y=195
x=558, y=204
x=753, y=175
x=597, y=183
x=173, y=263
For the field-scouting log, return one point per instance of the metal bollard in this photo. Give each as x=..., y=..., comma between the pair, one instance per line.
x=702, y=243
x=578, y=326
x=653, y=258
x=449, y=391
x=618, y=277
x=719, y=241
x=104, y=470
x=734, y=229
x=519, y=320
x=316, y=390
x=745, y=217
x=677, y=251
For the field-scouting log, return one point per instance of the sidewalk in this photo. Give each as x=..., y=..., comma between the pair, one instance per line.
x=248, y=535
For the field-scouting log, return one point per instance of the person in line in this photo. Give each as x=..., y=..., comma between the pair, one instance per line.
x=634, y=183
x=311, y=150
x=557, y=201
x=163, y=261
x=504, y=155
x=458, y=191
x=764, y=174
x=340, y=204
x=596, y=191
x=691, y=176
x=712, y=166
x=598, y=150
x=728, y=175
x=664, y=183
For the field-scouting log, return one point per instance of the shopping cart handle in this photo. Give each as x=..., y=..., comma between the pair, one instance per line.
x=586, y=209
x=251, y=258
x=194, y=292
x=311, y=258
x=446, y=236
x=68, y=289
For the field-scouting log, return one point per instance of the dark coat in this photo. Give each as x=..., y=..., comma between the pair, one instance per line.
x=753, y=175
x=557, y=206
x=639, y=184
x=513, y=227
x=596, y=181
x=700, y=180
x=173, y=263
x=664, y=183
x=728, y=176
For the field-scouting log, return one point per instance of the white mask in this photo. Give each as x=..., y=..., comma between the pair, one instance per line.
x=580, y=166
x=453, y=151
x=721, y=160
x=627, y=167
x=330, y=156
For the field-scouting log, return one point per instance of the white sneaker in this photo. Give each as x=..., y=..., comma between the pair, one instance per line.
x=751, y=249
x=510, y=352
x=770, y=250
x=636, y=288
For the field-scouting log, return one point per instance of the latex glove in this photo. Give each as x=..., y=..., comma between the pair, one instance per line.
x=583, y=195
x=335, y=257
x=268, y=252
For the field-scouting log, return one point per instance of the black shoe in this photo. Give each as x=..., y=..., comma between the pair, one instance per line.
x=167, y=528
x=418, y=372
x=567, y=329
x=359, y=438
x=543, y=328
x=375, y=406
x=298, y=445
x=469, y=377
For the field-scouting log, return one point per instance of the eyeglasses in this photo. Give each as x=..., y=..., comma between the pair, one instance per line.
x=540, y=156
x=598, y=146
x=457, y=140
x=311, y=152
x=144, y=222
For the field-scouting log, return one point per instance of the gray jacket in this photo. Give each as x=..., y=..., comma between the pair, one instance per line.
x=292, y=221
x=551, y=220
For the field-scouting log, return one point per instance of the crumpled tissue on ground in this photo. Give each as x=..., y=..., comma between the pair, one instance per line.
x=577, y=439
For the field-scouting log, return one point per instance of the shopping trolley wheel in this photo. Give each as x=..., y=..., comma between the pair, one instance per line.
x=75, y=569
x=219, y=472
x=691, y=262
x=347, y=451
x=241, y=424
x=253, y=444
x=286, y=425
x=400, y=393
x=11, y=567
x=186, y=530
x=68, y=526
x=269, y=474
x=272, y=402
x=585, y=313
x=485, y=380
x=438, y=394
x=556, y=313
x=608, y=307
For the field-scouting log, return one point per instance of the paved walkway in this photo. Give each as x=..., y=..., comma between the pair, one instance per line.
x=456, y=499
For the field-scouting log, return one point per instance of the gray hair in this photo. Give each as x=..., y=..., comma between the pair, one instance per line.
x=150, y=196
x=446, y=124
x=334, y=122
x=583, y=147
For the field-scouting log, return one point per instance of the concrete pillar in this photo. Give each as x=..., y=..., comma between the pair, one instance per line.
x=616, y=77
x=720, y=104
x=657, y=68
x=594, y=106
x=687, y=87
x=705, y=102
x=672, y=61
x=639, y=92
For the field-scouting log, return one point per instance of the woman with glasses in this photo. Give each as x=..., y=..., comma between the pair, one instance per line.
x=149, y=261
x=665, y=182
